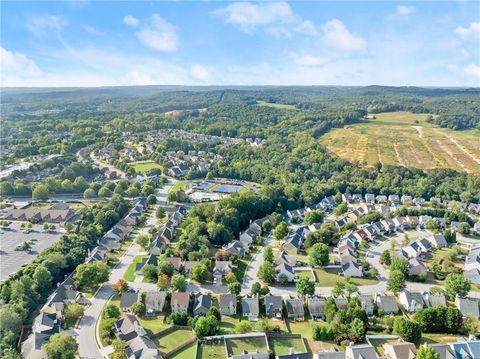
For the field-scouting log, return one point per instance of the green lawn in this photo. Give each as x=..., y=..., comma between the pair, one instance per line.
x=304, y=328
x=328, y=279
x=305, y=273
x=129, y=275
x=243, y=264
x=280, y=106
x=281, y=346
x=216, y=351
x=237, y=346
x=178, y=185
x=378, y=344
x=186, y=353
x=153, y=325
x=172, y=340
x=433, y=338
x=144, y=167
x=227, y=325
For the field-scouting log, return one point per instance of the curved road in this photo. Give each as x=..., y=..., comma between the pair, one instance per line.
x=87, y=344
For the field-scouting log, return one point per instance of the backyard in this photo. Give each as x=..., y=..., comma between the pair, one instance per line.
x=282, y=345
x=211, y=351
x=145, y=167
x=250, y=344
x=328, y=279
x=173, y=339
x=186, y=353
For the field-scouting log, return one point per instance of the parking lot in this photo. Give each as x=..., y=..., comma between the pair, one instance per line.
x=12, y=260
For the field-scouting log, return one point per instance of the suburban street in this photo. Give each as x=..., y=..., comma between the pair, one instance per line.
x=87, y=344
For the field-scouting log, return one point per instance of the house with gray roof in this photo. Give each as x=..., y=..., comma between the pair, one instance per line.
x=201, y=304
x=316, y=307
x=142, y=347
x=444, y=351
x=32, y=348
x=361, y=351
x=434, y=300
x=154, y=302
x=411, y=301
x=386, y=303
x=46, y=323
x=295, y=309
x=468, y=307
x=127, y=299
x=250, y=307
x=273, y=306
x=329, y=355
x=228, y=304
x=366, y=302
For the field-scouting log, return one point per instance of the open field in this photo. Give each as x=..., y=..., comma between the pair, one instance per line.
x=328, y=279
x=144, y=167
x=174, y=339
x=280, y=106
x=407, y=139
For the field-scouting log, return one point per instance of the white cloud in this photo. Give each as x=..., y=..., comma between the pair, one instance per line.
x=16, y=66
x=337, y=36
x=405, y=10
x=473, y=71
x=276, y=17
x=307, y=60
x=159, y=35
x=44, y=25
x=91, y=30
x=471, y=32
x=201, y=73
x=130, y=20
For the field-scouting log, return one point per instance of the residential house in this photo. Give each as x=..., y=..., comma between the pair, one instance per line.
x=406, y=199
x=154, y=302
x=187, y=266
x=273, y=306
x=228, y=304
x=142, y=347
x=127, y=299
x=329, y=355
x=434, y=300
x=250, y=307
x=413, y=250
x=386, y=303
x=46, y=323
x=401, y=350
x=150, y=260
x=341, y=302
x=316, y=307
x=180, y=301
x=352, y=269
x=283, y=257
x=476, y=228
x=201, y=304
x=361, y=351
x=248, y=237
x=127, y=327
x=293, y=244
x=370, y=198
x=423, y=220
x=416, y=268
x=295, y=309
x=394, y=198
x=468, y=307
x=444, y=351
x=32, y=348
x=366, y=302
x=356, y=197
x=419, y=201
x=411, y=301
x=285, y=270
x=221, y=269
x=438, y=241
x=176, y=263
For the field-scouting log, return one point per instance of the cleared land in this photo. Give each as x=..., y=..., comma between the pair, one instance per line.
x=144, y=167
x=276, y=105
x=407, y=139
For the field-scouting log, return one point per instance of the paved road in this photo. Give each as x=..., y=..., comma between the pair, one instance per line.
x=87, y=344
x=100, y=164
x=250, y=276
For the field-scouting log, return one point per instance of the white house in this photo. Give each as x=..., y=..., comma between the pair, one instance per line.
x=411, y=301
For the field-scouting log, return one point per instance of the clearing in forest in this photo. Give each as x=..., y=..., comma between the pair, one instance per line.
x=406, y=139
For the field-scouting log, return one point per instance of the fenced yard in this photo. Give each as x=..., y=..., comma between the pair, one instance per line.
x=236, y=346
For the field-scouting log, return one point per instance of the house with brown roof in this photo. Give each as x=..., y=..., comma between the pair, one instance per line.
x=180, y=301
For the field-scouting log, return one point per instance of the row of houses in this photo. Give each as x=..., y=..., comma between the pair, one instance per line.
x=392, y=198
x=167, y=232
x=326, y=205
x=462, y=349
x=48, y=321
x=471, y=268
x=60, y=213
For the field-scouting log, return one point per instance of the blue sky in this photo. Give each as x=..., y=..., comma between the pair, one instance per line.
x=90, y=43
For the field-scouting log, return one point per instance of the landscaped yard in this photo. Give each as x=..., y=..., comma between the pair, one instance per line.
x=154, y=324
x=144, y=167
x=227, y=325
x=281, y=346
x=214, y=351
x=186, y=353
x=250, y=344
x=129, y=275
x=328, y=279
x=174, y=339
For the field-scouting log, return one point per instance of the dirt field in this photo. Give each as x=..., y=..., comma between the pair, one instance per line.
x=407, y=139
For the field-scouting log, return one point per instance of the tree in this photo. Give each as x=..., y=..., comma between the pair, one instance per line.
x=90, y=275
x=330, y=309
x=281, y=231
x=399, y=264
x=40, y=192
x=305, y=287
x=143, y=241
x=73, y=312
x=120, y=286
x=199, y=272
x=234, y=288
x=160, y=212
x=43, y=279
x=266, y=272
x=61, y=346
x=165, y=267
x=396, y=281
x=342, y=208
x=268, y=254
x=432, y=225
x=450, y=236
x=427, y=352
x=215, y=312
x=409, y=331
x=256, y=288
x=231, y=278
x=206, y=326
x=314, y=217
x=178, y=318
x=179, y=283
x=111, y=311
x=151, y=199
x=104, y=192
x=457, y=284
x=283, y=279
x=464, y=228
x=243, y=327
x=150, y=272
x=357, y=326
x=10, y=353
x=118, y=349
x=10, y=320
x=138, y=308
x=386, y=258
x=319, y=255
